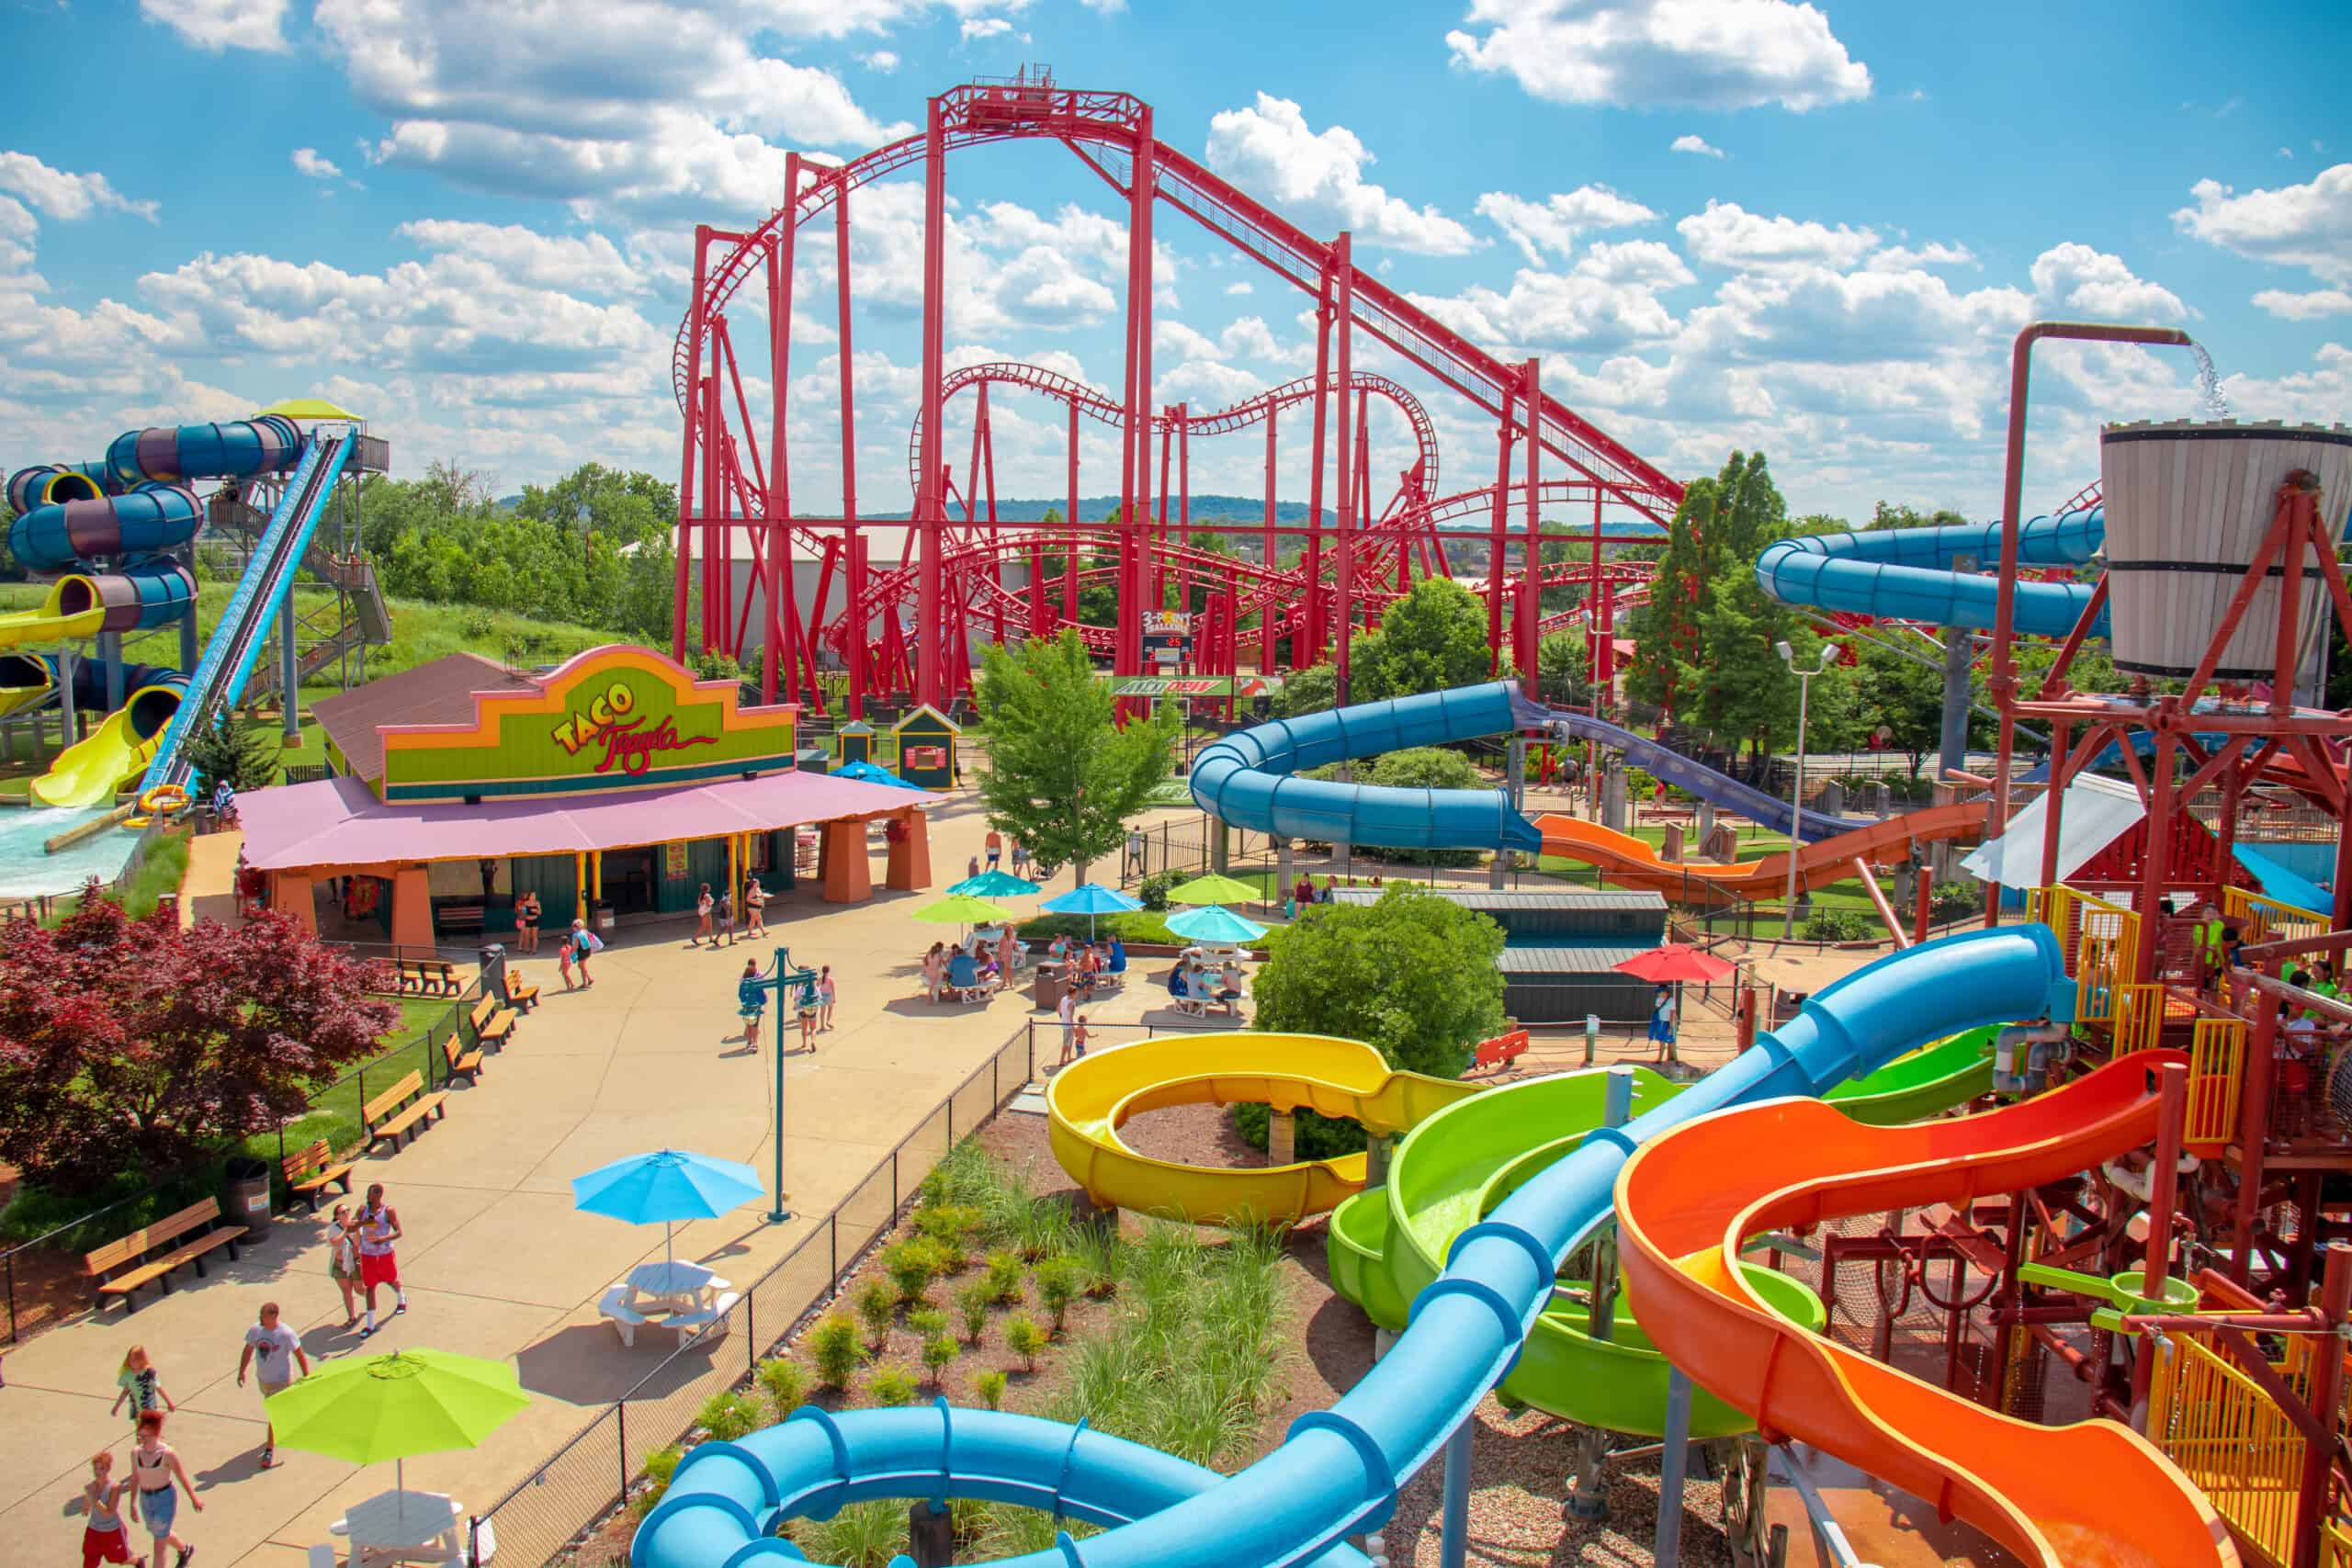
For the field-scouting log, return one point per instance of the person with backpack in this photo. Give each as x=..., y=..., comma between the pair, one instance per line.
x=585, y=943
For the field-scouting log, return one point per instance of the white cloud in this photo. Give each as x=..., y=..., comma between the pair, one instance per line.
x=1241, y=286
x=1696, y=144
x=1269, y=150
x=1717, y=54
x=1727, y=235
x=589, y=262
x=500, y=100
x=1176, y=339
x=2080, y=278
x=2306, y=225
x=1107, y=8
x=984, y=27
x=1558, y=223
x=2287, y=153
x=1904, y=259
x=217, y=25
x=2309, y=307
x=311, y=165
x=881, y=59
x=1607, y=303
x=54, y=193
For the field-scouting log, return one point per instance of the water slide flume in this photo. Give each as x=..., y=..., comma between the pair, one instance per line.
x=1338, y=1471
x=1908, y=574
x=2095, y=1495
x=1634, y=862
x=89, y=771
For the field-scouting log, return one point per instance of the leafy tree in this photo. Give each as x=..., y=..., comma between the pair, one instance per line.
x=1315, y=689
x=1434, y=638
x=135, y=1045
x=1418, y=767
x=1413, y=976
x=245, y=754
x=1062, y=775
x=1903, y=697
x=1563, y=669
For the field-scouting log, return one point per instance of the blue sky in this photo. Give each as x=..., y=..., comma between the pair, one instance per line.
x=1721, y=223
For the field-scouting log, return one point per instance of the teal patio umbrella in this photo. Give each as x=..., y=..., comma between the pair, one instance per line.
x=668, y=1185
x=1091, y=899
x=1215, y=924
x=995, y=884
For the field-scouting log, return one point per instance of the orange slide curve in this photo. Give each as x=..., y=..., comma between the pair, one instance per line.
x=1634, y=862
x=2094, y=1495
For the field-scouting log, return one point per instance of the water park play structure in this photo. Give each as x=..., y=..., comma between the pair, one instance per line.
x=115, y=532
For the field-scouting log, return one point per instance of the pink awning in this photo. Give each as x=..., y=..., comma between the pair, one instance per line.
x=339, y=821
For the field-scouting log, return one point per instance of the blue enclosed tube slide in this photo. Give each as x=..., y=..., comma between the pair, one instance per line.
x=1905, y=574
x=1248, y=779
x=1339, y=1472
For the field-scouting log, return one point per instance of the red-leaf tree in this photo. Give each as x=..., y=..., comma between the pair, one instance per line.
x=132, y=1045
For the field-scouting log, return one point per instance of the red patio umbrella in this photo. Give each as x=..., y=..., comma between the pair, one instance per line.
x=1675, y=962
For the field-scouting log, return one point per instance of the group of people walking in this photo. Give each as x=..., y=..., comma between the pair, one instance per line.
x=362, y=1257
x=813, y=1000
x=715, y=914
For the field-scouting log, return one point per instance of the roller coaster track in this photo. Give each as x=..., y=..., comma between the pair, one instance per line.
x=1104, y=129
x=1077, y=394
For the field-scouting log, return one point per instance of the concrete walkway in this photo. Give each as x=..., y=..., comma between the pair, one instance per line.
x=497, y=1263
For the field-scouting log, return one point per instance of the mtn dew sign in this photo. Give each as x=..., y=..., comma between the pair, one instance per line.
x=1243, y=687
x=611, y=718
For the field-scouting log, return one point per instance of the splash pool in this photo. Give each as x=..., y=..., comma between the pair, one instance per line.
x=25, y=870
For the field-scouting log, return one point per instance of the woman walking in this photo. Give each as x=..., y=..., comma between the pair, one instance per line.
x=154, y=1466
x=585, y=941
x=751, y=1001
x=755, y=904
x=825, y=997
x=703, y=907
x=808, y=1016
x=343, y=1261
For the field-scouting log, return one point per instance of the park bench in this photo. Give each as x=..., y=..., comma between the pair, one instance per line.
x=1502, y=1049
x=151, y=1252
x=459, y=917
x=463, y=1064
x=524, y=997
x=312, y=1170
x=400, y=1111
x=429, y=977
x=494, y=1025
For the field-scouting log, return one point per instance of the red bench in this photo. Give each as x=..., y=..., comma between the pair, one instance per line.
x=1501, y=1051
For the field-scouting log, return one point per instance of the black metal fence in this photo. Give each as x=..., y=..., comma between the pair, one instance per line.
x=594, y=1473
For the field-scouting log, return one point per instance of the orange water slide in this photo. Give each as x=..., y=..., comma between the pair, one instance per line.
x=2094, y=1495
x=1636, y=863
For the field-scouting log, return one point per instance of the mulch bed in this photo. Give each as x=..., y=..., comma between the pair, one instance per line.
x=45, y=1286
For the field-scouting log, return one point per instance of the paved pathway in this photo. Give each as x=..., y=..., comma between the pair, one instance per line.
x=497, y=1262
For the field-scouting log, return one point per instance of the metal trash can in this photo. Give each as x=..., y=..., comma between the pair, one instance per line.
x=248, y=1184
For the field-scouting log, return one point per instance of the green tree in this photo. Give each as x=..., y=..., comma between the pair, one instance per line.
x=1434, y=638
x=1315, y=689
x=245, y=754
x=1563, y=669
x=1412, y=975
x=1903, y=697
x=1062, y=774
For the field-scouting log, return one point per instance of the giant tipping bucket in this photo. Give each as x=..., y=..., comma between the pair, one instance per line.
x=2187, y=504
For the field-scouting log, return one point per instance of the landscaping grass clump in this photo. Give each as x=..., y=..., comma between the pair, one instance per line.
x=864, y=1535
x=972, y=1305
x=989, y=1386
x=877, y=1308
x=729, y=1416
x=1026, y=1339
x=834, y=1351
x=891, y=1385
x=786, y=1382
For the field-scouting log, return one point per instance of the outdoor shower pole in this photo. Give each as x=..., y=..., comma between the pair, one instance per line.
x=779, y=1214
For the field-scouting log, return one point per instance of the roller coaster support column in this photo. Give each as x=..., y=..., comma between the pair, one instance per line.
x=1127, y=656
x=1070, y=521
x=854, y=556
x=1310, y=588
x=1268, y=654
x=931, y=629
x=782, y=639
x=687, y=459
x=1344, y=594
x=1498, y=543
x=1529, y=610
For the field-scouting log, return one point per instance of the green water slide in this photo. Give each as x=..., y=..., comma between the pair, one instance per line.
x=1387, y=1243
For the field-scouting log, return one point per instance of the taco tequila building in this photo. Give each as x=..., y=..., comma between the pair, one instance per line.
x=616, y=784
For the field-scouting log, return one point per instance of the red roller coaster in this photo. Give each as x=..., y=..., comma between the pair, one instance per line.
x=888, y=626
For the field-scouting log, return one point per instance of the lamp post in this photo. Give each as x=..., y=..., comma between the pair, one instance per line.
x=781, y=981
x=1796, y=783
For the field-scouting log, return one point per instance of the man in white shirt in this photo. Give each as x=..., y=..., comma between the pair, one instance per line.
x=1066, y=1010
x=279, y=1349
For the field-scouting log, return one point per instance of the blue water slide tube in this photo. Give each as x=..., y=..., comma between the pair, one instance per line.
x=1247, y=778
x=1698, y=778
x=1905, y=573
x=236, y=450
x=152, y=518
x=1337, y=1472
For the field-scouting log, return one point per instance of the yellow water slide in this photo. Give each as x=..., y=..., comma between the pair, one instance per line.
x=1090, y=1099
x=113, y=756
x=72, y=611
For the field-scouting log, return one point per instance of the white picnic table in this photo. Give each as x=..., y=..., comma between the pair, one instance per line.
x=684, y=1296
x=404, y=1527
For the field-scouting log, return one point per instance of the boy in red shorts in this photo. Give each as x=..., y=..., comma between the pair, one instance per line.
x=103, y=1539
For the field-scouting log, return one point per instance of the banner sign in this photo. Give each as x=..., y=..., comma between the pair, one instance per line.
x=613, y=717
x=1244, y=687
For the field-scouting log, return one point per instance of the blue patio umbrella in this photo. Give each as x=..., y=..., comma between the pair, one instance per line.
x=872, y=772
x=996, y=884
x=667, y=1185
x=1091, y=899
x=1215, y=923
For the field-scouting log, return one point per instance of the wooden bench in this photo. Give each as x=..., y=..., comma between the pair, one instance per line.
x=525, y=998
x=1502, y=1049
x=494, y=1025
x=429, y=977
x=400, y=1111
x=151, y=1252
x=459, y=917
x=463, y=1064
x=314, y=1170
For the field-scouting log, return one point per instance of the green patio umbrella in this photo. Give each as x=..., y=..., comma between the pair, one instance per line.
x=1213, y=889
x=368, y=1409
x=962, y=909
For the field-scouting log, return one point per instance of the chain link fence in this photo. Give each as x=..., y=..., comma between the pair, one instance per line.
x=594, y=1473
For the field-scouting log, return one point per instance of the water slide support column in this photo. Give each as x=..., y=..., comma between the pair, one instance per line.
x=188, y=650
x=65, y=715
x=1588, y=1492
x=110, y=652
x=288, y=693
x=1455, y=1539
x=1673, y=1458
